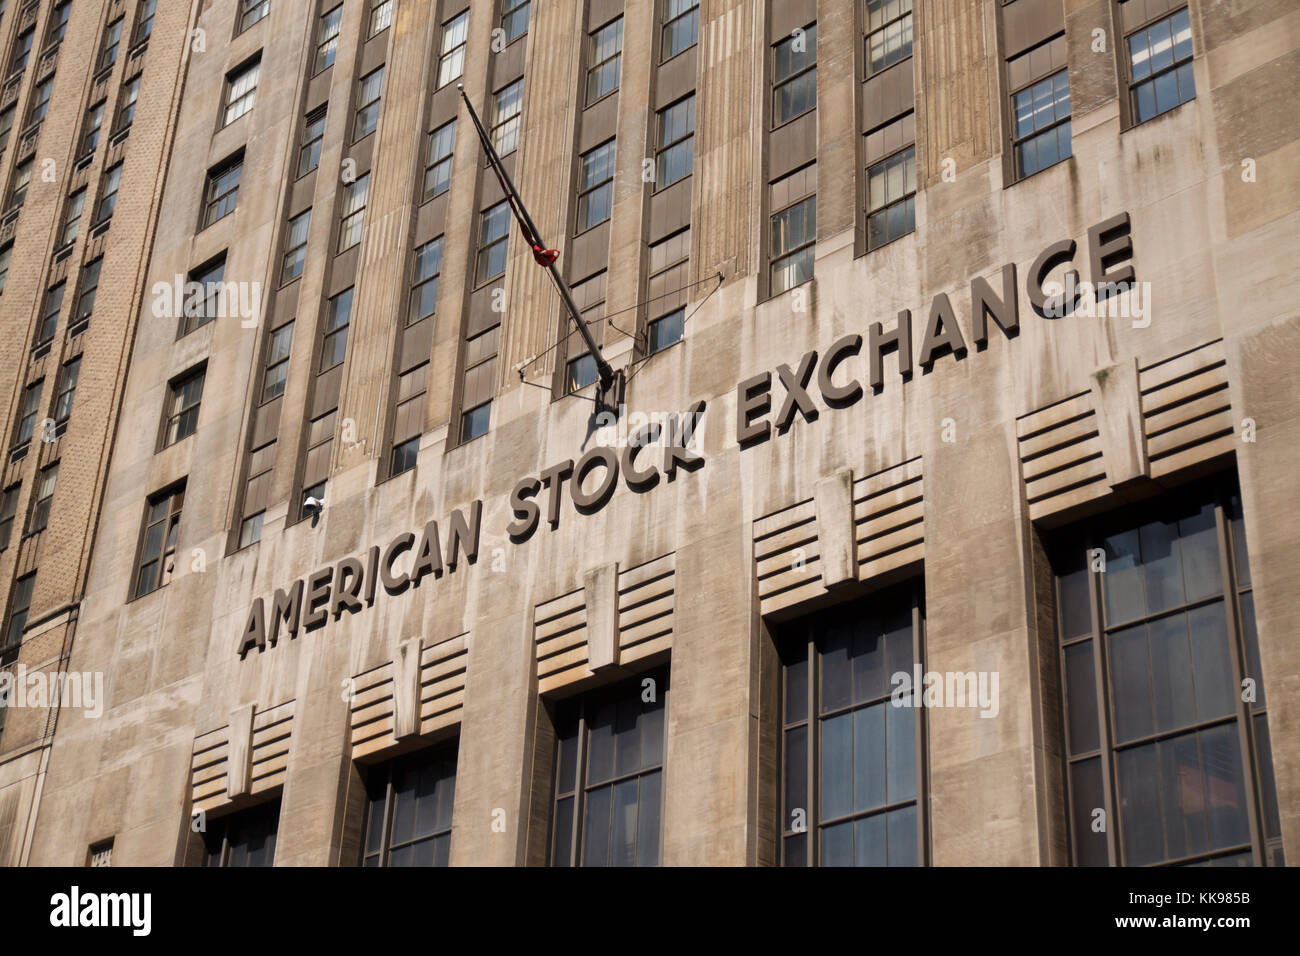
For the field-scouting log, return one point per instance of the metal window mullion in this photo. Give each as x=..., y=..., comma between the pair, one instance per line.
x=579, y=788
x=1245, y=725
x=811, y=826
x=1104, y=718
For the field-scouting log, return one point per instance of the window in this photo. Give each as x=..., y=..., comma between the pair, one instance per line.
x=58, y=27
x=480, y=383
x=241, y=90
x=354, y=212
x=312, y=136
x=108, y=194
x=246, y=838
x=794, y=232
x=338, y=315
x=493, y=230
x=506, y=105
x=108, y=49
x=89, y=286
x=222, y=190
x=381, y=16
x=182, y=412
x=72, y=216
x=22, y=177
x=372, y=87
x=27, y=417
x=5, y=255
x=295, y=254
x=889, y=33
x=158, y=541
x=891, y=183
x=1042, y=124
x=8, y=509
x=408, y=810
x=794, y=76
x=605, y=59
x=681, y=26
x=851, y=761
x=666, y=290
x=251, y=11
x=514, y=18
x=40, y=100
x=199, y=312
x=408, y=418
x=609, y=759
x=316, y=491
x=144, y=20
x=94, y=119
x=424, y=293
x=49, y=314
x=451, y=61
x=261, y=462
x=665, y=331
x=595, y=186
x=19, y=605
x=101, y=854
x=437, y=174
x=277, y=362
x=126, y=103
x=675, y=157
x=328, y=38
x=320, y=447
x=22, y=48
x=579, y=364
x=7, y=122
x=1162, y=642
x=1160, y=66
x=250, y=529
x=45, y=482
x=66, y=390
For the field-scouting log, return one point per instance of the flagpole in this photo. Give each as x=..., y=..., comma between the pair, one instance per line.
x=541, y=254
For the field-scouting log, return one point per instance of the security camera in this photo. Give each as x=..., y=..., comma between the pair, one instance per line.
x=312, y=505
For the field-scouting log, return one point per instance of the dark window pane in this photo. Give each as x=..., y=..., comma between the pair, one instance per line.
x=900, y=723
x=870, y=841
x=796, y=685
x=836, y=675
x=796, y=850
x=868, y=650
x=868, y=756
x=1211, y=662
x=623, y=843
x=796, y=775
x=1122, y=580
x=1089, y=845
x=1139, y=805
x=1225, y=788
x=595, y=830
x=1250, y=633
x=837, y=845
x=902, y=837
x=1267, y=784
x=600, y=745
x=836, y=766
x=1173, y=697
x=1199, y=547
x=563, y=832
x=1239, y=555
x=1076, y=606
x=1160, y=566
x=647, y=839
x=627, y=742
x=650, y=726
x=1130, y=683
x=1081, y=698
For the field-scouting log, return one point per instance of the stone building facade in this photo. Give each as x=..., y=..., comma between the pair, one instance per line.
x=954, y=339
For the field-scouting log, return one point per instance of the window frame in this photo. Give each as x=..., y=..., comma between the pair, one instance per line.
x=239, y=75
x=507, y=125
x=449, y=54
x=311, y=145
x=362, y=117
x=587, y=706
x=1218, y=494
x=1175, y=66
x=331, y=332
x=352, y=218
x=1018, y=142
x=587, y=190
x=327, y=42
x=174, y=496
x=295, y=255
x=177, y=415
x=219, y=831
x=65, y=390
x=779, y=83
x=663, y=149
x=214, y=201
x=246, y=7
x=486, y=250
x=83, y=309
x=777, y=258
x=803, y=630
x=271, y=362
x=594, y=68
x=868, y=33
x=432, y=163
x=510, y=11
x=669, y=24
x=437, y=755
x=866, y=188
x=38, y=515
